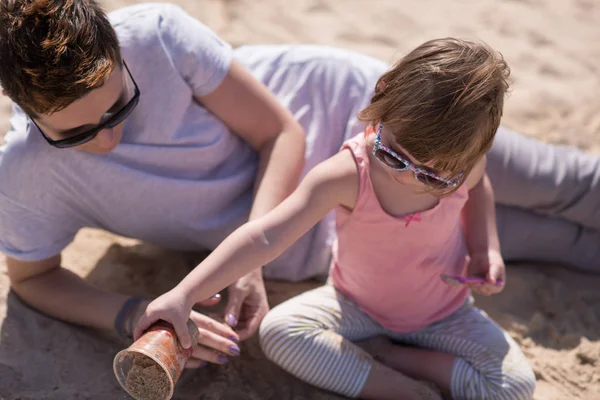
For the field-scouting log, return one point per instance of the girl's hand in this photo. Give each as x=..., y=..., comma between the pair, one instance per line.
x=215, y=340
x=172, y=307
x=489, y=265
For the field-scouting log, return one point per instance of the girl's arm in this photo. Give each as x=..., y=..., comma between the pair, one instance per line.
x=333, y=182
x=479, y=214
x=250, y=110
x=479, y=223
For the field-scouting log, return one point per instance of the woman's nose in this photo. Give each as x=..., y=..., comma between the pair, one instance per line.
x=106, y=138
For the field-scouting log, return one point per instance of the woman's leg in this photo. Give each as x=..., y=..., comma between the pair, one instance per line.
x=311, y=335
x=548, y=201
x=488, y=363
x=529, y=236
x=557, y=181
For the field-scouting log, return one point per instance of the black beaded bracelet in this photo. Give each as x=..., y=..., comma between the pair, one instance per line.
x=124, y=314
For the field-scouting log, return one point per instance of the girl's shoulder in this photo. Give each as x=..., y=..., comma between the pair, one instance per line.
x=340, y=176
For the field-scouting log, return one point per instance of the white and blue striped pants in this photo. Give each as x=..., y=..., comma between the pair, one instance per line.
x=311, y=336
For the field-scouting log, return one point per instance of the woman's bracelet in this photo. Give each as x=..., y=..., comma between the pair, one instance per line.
x=123, y=320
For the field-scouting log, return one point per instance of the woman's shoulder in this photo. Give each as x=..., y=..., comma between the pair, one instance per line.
x=145, y=15
x=164, y=37
x=164, y=25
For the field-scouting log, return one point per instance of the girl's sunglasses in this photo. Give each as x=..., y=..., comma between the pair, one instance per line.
x=114, y=120
x=394, y=161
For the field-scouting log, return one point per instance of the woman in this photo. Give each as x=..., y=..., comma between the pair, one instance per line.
x=165, y=136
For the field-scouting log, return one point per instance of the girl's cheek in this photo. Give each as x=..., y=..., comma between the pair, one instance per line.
x=403, y=177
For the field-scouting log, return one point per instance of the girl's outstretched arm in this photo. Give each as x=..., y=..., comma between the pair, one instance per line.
x=331, y=183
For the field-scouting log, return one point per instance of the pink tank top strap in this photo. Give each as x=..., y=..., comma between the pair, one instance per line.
x=358, y=148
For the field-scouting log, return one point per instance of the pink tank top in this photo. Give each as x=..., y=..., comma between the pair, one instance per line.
x=390, y=266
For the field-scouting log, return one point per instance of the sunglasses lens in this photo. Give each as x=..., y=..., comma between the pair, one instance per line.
x=390, y=160
x=110, y=123
x=432, y=182
x=76, y=141
x=123, y=113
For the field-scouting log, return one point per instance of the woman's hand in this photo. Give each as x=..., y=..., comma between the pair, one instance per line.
x=247, y=304
x=490, y=266
x=215, y=340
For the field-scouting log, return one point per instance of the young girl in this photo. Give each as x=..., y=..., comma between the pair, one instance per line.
x=413, y=206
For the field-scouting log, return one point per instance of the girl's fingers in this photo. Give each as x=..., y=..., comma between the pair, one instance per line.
x=495, y=289
x=183, y=334
x=484, y=289
x=143, y=323
x=491, y=289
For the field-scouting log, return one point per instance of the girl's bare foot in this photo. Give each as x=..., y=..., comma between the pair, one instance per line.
x=430, y=391
x=378, y=347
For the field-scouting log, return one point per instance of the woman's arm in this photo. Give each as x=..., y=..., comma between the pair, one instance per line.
x=250, y=110
x=331, y=183
x=60, y=293
x=56, y=291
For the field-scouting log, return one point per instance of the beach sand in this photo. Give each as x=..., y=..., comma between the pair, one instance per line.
x=553, y=50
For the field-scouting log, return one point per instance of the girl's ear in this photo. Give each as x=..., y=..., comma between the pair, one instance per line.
x=369, y=130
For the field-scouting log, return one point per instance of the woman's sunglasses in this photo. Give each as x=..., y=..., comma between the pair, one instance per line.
x=114, y=120
x=394, y=161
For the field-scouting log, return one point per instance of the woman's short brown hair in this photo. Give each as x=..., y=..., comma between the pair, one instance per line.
x=52, y=52
x=443, y=101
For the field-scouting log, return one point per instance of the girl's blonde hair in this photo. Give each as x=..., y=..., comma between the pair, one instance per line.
x=443, y=102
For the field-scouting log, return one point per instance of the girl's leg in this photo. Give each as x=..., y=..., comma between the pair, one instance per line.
x=488, y=364
x=421, y=364
x=311, y=335
x=558, y=181
x=528, y=236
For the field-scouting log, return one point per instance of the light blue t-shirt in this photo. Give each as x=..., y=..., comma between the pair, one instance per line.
x=179, y=178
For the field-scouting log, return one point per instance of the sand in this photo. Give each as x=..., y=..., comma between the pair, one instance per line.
x=554, y=314
x=146, y=380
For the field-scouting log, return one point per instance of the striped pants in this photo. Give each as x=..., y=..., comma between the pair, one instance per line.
x=311, y=336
